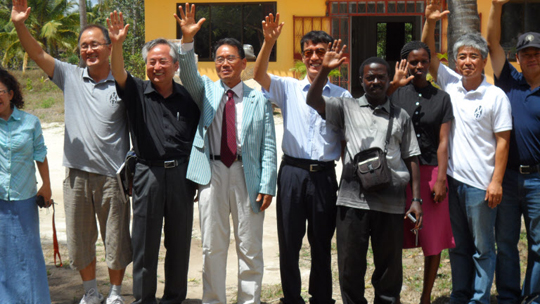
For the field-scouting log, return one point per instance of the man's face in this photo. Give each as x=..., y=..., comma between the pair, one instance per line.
x=418, y=63
x=160, y=67
x=312, y=57
x=529, y=61
x=469, y=62
x=229, y=65
x=375, y=80
x=94, y=50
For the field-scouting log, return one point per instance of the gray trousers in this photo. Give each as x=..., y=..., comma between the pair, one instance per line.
x=160, y=193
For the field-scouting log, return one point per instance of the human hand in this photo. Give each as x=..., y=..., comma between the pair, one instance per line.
x=117, y=30
x=266, y=200
x=439, y=191
x=187, y=23
x=433, y=11
x=334, y=56
x=20, y=11
x=400, y=77
x=45, y=191
x=494, y=194
x=416, y=209
x=272, y=28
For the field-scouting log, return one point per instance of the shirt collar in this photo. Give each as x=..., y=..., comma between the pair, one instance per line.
x=16, y=115
x=150, y=88
x=86, y=75
x=480, y=90
x=364, y=103
x=237, y=89
x=305, y=85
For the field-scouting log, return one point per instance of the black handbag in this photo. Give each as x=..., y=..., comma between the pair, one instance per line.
x=371, y=166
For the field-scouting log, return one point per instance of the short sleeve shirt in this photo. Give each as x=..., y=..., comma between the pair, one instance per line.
x=161, y=128
x=307, y=135
x=365, y=127
x=21, y=143
x=479, y=114
x=525, y=139
x=428, y=108
x=96, y=137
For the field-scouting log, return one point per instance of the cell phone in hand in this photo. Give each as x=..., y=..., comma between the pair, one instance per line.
x=40, y=200
x=412, y=218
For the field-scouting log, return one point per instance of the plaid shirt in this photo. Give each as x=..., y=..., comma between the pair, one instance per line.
x=21, y=142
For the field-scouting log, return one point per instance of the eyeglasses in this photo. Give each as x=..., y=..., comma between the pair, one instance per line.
x=2, y=92
x=309, y=52
x=230, y=59
x=93, y=46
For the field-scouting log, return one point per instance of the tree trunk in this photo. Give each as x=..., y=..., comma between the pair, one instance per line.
x=463, y=19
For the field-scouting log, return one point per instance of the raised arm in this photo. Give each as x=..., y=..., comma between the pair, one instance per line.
x=187, y=23
x=433, y=14
x=332, y=60
x=117, y=34
x=496, y=52
x=401, y=77
x=271, y=30
x=19, y=14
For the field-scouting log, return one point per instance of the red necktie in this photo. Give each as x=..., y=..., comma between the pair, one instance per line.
x=228, y=131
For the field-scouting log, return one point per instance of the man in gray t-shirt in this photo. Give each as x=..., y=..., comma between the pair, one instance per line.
x=96, y=142
x=366, y=214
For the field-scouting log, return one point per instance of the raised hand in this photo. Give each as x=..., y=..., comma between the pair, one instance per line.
x=187, y=23
x=20, y=11
x=117, y=30
x=334, y=56
x=272, y=28
x=402, y=70
x=433, y=11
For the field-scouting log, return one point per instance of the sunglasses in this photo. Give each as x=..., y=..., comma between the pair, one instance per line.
x=309, y=52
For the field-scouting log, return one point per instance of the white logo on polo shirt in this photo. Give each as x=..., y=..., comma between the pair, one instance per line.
x=113, y=98
x=478, y=112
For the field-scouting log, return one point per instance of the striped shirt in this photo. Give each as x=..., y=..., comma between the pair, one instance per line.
x=21, y=143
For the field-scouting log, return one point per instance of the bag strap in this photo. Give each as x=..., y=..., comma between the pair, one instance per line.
x=389, y=130
x=55, y=242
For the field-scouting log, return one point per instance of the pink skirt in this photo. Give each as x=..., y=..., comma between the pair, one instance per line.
x=436, y=233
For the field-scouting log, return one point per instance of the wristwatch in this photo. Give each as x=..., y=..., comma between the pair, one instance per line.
x=416, y=199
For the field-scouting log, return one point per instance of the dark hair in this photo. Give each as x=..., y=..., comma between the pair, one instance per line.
x=100, y=27
x=413, y=46
x=371, y=60
x=12, y=84
x=315, y=37
x=231, y=42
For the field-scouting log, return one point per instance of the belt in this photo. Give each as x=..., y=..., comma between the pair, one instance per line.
x=309, y=164
x=528, y=169
x=217, y=157
x=167, y=164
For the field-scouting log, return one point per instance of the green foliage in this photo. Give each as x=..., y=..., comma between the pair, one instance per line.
x=54, y=24
x=28, y=85
x=301, y=70
x=47, y=103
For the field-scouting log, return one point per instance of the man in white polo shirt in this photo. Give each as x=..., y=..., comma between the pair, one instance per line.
x=478, y=153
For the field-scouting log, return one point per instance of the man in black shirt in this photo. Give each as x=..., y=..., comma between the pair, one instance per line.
x=163, y=118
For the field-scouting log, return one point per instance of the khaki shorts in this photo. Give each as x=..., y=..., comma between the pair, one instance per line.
x=87, y=197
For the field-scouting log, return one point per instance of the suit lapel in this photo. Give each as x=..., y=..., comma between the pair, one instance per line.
x=249, y=102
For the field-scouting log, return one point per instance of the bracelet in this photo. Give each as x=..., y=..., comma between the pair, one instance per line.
x=416, y=199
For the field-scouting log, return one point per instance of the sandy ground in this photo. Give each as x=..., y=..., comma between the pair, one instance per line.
x=66, y=285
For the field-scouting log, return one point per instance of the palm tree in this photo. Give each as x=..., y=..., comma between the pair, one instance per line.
x=463, y=19
x=53, y=23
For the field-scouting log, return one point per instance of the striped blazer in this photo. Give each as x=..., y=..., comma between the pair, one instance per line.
x=258, y=140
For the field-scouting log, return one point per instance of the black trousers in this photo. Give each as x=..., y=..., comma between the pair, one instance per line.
x=160, y=193
x=306, y=196
x=354, y=227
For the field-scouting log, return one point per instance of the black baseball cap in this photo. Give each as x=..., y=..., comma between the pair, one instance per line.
x=530, y=39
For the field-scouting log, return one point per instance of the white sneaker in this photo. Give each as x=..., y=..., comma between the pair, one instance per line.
x=92, y=296
x=115, y=300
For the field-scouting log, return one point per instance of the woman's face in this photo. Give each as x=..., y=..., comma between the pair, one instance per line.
x=418, y=63
x=5, y=101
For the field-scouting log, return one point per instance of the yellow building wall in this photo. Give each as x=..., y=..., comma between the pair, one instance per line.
x=164, y=9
